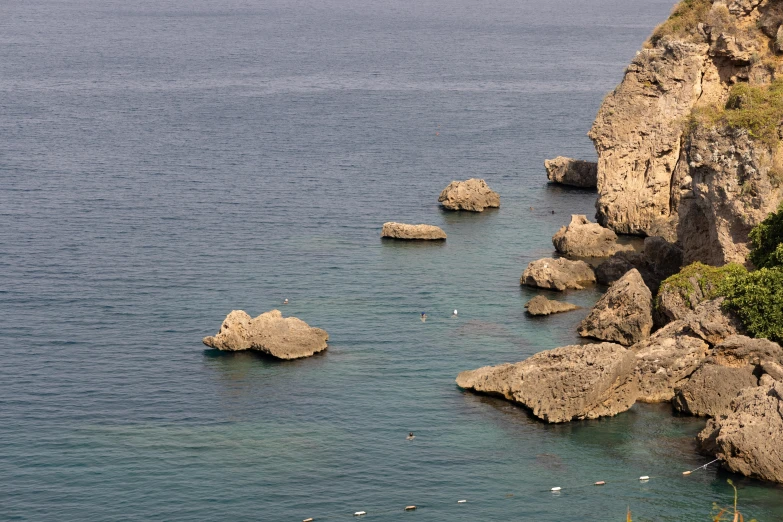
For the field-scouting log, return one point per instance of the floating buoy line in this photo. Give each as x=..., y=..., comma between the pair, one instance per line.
x=643, y=479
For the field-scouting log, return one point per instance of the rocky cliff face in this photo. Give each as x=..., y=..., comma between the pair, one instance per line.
x=656, y=169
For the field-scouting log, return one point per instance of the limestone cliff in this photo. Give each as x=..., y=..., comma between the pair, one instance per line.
x=667, y=153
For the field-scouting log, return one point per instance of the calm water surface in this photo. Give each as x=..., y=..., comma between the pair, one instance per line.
x=162, y=163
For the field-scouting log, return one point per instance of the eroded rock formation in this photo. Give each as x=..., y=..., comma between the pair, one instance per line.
x=581, y=238
x=624, y=313
x=572, y=382
x=703, y=183
x=404, y=231
x=269, y=333
x=557, y=274
x=473, y=195
x=576, y=173
x=540, y=305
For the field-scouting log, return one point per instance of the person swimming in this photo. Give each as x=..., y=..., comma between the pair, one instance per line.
x=410, y=436
x=423, y=317
x=454, y=313
x=286, y=301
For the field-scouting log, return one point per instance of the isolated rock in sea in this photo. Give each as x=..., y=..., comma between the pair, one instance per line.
x=557, y=274
x=711, y=388
x=572, y=382
x=473, y=194
x=404, y=231
x=567, y=171
x=624, y=313
x=540, y=305
x=748, y=440
x=270, y=333
x=582, y=238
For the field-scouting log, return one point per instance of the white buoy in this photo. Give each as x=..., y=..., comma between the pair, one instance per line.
x=461, y=501
x=644, y=477
x=600, y=483
x=410, y=508
x=359, y=513
x=308, y=519
x=557, y=488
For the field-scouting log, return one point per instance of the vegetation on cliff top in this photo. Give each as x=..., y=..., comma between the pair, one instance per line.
x=755, y=108
x=684, y=20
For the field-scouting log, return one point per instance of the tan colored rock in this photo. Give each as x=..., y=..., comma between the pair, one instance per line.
x=624, y=313
x=729, y=191
x=666, y=361
x=557, y=274
x=540, y=305
x=581, y=238
x=572, y=382
x=749, y=440
x=269, y=333
x=738, y=350
x=711, y=388
x=659, y=260
x=567, y=171
x=637, y=141
x=404, y=231
x=473, y=194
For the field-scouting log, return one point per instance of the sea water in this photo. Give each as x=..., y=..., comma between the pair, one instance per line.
x=162, y=163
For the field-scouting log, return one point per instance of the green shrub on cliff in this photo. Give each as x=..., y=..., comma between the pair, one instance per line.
x=757, y=299
x=755, y=108
x=766, y=241
x=710, y=280
x=683, y=21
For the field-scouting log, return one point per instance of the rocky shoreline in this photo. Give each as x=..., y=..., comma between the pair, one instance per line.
x=698, y=193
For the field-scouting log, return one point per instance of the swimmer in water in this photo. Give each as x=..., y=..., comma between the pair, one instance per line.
x=410, y=436
x=286, y=301
x=454, y=313
x=423, y=317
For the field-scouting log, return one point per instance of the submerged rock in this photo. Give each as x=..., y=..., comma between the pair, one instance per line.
x=581, y=238
x=748, y=439
x=568, y=383
x=269, y=333
x=557, y=274
x=624, y=313
x=567, y=171
x=404, y=231
x=473, y=194
x=540, y=305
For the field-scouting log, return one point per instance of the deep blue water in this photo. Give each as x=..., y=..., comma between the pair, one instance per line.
x=163, y=163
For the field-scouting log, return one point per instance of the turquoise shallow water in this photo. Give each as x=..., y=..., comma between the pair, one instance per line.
x=163, y=164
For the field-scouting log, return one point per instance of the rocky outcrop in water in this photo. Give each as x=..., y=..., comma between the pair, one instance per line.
x=581, y=238
x=568, y=383
x=711, y=388
x=704, y=184
x=404, y=231
x=666, y=360
x=748, y=439
x=473, y=195
x=269, y=333
x=540, y=305
x=557, y=274
x=567, y=171
x=624, y=313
